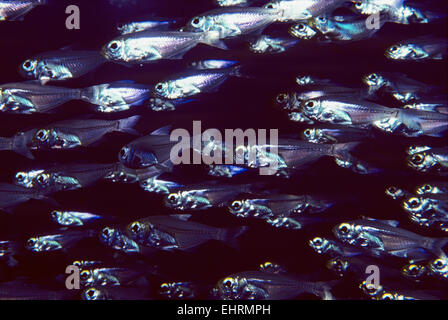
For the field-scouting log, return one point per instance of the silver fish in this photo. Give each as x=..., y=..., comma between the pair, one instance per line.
x=267, y=44
x=145, y=25
x=177, y=232
x=116, y=96
x=73, y=218
x=335, y=249
x=231, y=3
x=258, y=285
x=439, y=267
x=201, y=197
x=385, y=236
x=195, y=82
x=434, y=105
x=396, y=193
x=118, y=240
x=437, y=187
x=419, y=49
x=147, y=46
x=334, y=135
x=429, y=210
x=429, y=160
x=223, y=170
x=55, y=242
x=12, y=195
x=296, y=10
x=12, y=10
x=178, y=290
x=110, y=276
x=30, y=97
x=233, y=21
x=60, y=65
x=212, y=64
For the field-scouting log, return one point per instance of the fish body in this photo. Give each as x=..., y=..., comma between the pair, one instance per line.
x=433, y=105
x=56, y=242
x=258, y=285
x=13, y=10
x=193, y=82
x=148, y=46
x=202, y=197
x=73, y=218
x=60, y=65
x=116, y=96
x=145, y=25
x=419, y=49
x=387, y=237
x=29, y=97
x=267, y=44
x=177, y=232
x=233, y=21
x=334, y=248
x=212, y=64
x=334, y=135
x=297, y=10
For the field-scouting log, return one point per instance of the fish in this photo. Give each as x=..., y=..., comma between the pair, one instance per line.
x=115, y=293
x=232, y=3
x=57, y=242
x=439, y=105
x=328, y=29
x=64, y=135
x=418, y=49
x=382, y=293
x=148, y=46
x=397, y=85
x=334, y=248
x=396, y=193
x=267, y=44
x=430, y=210
x=116, y=96
x=14, y=10
x=177, y=232
x=334, y=135
x=286, y=211
x=365, y=114
x=194, y=82
x=429, y=160
x=205, y=196
x=179, y=290
x=12, y=195
x=74, y=218
x=159, y=186
x=116, y=239
x=150, y=150
x=32, y=291
x=231, y=22
x=145, y=25
x=223, y=170
x=305, y=80
x=112, y=276
x=31, y=97
x=439, y=268
x=212, y=64
x=415, y=271
x=297, y=10
x=60, y=65
x=436, y=187
x=159, y=104
x=258, y=285
x=63, y=177
x=385, y=236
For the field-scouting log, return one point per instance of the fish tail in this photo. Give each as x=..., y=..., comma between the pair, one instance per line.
x=127, y=124
x=19, y=145
x=342, y=150
x=211, y=38
x=436, y=246
x=86, y=94
x=324, y=290
x=6, y=143
x=230, y=235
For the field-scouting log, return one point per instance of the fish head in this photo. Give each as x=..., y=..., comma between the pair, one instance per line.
x=176, y=290
x=139, y=231
x=338, y=265
x=347, y=232
x=400, y=52
x=417, y=206
x=93, y=294
x=231, y=287
x=162, y=89
x=136, y=158
x=414, y=271
x=114, y=50
x=395, y=192
x=314, y=108
x=439, y=267
x=28, y=68
x=314, y=135
x=371, y=289
x=41, y=244
x=86, y=277
x=374, y=81
x=286, y=101
x=427, y=188
x=109, y=236
x=240, y=208
x=422, y=161
x=303, y=31
x=46, y=138
x=199, y=23
x=175, y=200
x=320, y=245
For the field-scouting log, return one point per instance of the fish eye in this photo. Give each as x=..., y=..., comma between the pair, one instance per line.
x=417, y=159
x=54, y=214
x=196, y=22
x=310, y=105
x=135, y=227
x=31, y=242
x=300, y=27
x=172, y=198
x=42, y=134
x=20, y=176
x=77, y=263
x=92, y=293
x=270, y=6
x=393, y=49
x=120, y=26
x=84, y=275
x=344, y=228
x=414, y=202
x=427, y=187
x=106, y=232
x=392, y=189
x=373, y=76
x=228, y=283
x=358, y=4
x=322, y=19
x=281, y=98
x=28, y=65
x=124, y=152
x=42, y=178
x=113, y=46
x=438, y=264
x=387, y=296
x=307, y=132
x=236, y=205
x=317, y=241
x=413, y=269
x=159, y=86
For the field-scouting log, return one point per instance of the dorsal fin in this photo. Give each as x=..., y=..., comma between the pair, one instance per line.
x=164, y=131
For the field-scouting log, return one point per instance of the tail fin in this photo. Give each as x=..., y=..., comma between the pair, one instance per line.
x=230, y=235
x=212, y=38
x=324, y=290
x=18, y=144
x=125, y=125
x=6, y=143
x=436, y=246
x=86, y=94
x=342, y=150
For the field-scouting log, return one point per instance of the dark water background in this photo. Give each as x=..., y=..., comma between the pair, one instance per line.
x=240, y=103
